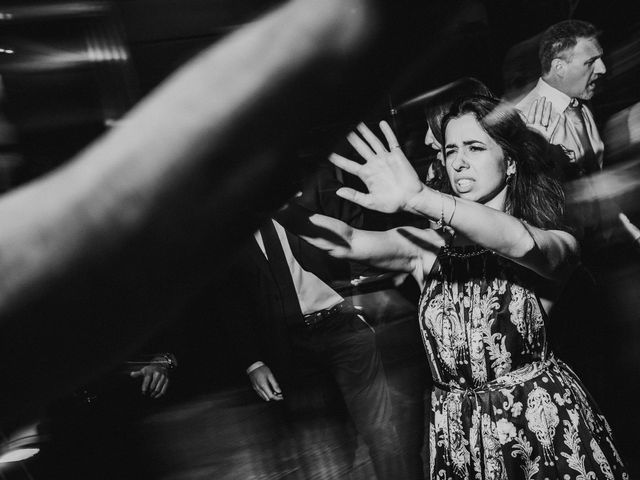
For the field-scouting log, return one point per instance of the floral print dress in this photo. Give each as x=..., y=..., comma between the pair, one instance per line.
x=502, y=406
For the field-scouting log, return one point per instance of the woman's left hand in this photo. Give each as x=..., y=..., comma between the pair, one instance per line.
x=155, y=380
x=388, y=175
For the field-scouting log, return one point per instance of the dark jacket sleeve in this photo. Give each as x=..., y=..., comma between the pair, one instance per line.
x=244, y=317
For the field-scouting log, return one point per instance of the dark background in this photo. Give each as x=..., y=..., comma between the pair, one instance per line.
x=56, y=107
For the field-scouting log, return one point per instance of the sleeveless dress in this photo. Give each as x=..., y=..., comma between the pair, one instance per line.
x=502, y=406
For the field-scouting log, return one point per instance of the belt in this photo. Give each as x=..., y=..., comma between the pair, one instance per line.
x=316, y=319
x=516, y=377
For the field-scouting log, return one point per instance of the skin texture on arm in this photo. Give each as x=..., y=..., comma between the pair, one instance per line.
x=394, y=186
x=99, y=253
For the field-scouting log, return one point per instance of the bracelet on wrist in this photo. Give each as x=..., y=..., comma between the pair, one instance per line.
x=453, y=212
x=440, y=223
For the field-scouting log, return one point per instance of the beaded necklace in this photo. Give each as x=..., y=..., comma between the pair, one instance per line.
x=467, y=252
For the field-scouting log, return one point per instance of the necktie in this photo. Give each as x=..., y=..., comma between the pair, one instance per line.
x=280, y=269
x=574, y=114
x=316, y=261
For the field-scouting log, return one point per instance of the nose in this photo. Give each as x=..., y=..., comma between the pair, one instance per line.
x=599, y=67
x=459, y=161
x=430, y=139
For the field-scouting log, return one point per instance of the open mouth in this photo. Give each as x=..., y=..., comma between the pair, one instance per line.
x=464, y=184
x=593, y=83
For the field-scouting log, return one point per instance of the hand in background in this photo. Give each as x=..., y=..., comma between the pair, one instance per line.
x=539, y=117
x=155, y=380
x=264, y=383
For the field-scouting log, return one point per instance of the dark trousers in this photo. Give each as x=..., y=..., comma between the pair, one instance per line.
x=394, y=313
x=337, y=370
x=407, y=372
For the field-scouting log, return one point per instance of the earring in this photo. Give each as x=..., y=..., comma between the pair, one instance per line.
x=511, y=173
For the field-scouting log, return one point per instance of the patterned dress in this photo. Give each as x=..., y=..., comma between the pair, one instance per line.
x=503, y=407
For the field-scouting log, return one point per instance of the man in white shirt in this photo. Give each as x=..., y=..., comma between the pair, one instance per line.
x=304, y=345
x=571, y=65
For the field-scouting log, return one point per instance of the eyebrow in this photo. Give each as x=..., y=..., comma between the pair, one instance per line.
x=593, y=59
x=465, y=143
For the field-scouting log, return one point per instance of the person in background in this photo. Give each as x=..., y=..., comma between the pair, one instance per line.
x=307, y=348
x=571, y=64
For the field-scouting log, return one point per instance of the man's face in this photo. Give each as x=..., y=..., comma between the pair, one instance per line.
x=583, y=66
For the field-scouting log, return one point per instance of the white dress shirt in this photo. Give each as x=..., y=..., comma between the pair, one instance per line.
x=561, y=130
x=313, y=294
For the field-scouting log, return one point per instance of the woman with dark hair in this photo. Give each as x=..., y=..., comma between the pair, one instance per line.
x=434, y=104
x=442, y=99
x=502, y=406
x=535, y=195
x=437, y=104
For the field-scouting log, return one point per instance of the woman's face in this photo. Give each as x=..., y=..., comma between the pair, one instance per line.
x=431, y=142
x=475, y=163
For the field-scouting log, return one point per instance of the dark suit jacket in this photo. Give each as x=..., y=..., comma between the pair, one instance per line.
x=257, y=320
x=257, y=323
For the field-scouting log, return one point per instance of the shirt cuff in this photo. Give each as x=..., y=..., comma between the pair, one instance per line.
x=254, y=366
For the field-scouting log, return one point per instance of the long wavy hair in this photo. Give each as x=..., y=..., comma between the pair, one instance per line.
x=534, y=193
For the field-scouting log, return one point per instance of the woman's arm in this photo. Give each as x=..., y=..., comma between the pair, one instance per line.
x=404, y=249
x=550, y=253
x=394, y=186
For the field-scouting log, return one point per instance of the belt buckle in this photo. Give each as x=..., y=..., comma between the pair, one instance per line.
x=312, y=320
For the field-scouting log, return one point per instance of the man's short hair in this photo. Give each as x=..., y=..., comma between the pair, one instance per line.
x=561, y=37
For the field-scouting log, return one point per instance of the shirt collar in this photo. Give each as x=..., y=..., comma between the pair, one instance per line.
x=558, y=99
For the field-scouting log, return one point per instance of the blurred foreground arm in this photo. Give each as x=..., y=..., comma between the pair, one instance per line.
x=97, y=254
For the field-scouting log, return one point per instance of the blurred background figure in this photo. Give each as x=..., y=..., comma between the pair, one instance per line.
x=92, y=432
x=301, y=343
x=572, y=65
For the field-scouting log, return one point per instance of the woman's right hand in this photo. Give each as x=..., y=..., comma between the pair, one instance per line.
x=390, y=179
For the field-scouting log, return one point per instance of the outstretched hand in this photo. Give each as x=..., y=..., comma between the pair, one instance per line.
x=390, y=179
